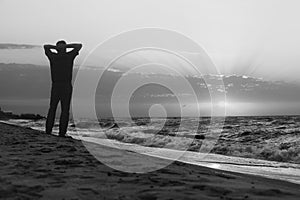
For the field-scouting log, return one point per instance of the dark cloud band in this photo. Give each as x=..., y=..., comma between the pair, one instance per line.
x=17, y=46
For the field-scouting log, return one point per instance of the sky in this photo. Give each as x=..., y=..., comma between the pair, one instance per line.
x=257, y=38
x=254, y=37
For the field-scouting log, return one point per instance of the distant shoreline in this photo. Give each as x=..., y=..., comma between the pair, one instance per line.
x=5, y=115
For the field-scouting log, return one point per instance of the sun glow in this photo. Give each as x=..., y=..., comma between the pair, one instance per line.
x=223, y=104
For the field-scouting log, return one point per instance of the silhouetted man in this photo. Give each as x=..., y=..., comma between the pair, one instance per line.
x=61, y=64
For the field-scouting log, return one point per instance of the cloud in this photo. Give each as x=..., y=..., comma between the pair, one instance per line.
x=17, y=46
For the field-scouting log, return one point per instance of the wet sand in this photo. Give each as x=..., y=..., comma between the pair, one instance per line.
x=39, y=166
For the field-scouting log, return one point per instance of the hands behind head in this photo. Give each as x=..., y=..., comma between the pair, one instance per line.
x=61, y=46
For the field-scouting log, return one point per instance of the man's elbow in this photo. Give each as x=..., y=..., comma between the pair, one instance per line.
x=79, y=46
x=46, y=46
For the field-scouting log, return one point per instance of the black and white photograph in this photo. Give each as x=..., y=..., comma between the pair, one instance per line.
x=150, y=100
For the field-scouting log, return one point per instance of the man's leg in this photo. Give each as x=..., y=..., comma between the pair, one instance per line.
x=66, y=96
x=52, y=110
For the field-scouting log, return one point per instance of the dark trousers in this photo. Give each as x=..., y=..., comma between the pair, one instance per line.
x=60, y=92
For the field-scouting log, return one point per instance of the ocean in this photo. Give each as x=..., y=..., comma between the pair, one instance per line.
x=273, y=138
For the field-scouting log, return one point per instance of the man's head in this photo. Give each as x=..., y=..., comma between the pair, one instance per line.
x=61, y=46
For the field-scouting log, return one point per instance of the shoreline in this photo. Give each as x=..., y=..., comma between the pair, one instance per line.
x=270, y=169
x=262, y=168
x=35, y=165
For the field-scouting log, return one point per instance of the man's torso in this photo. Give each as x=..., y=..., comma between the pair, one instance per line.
x=62, y=67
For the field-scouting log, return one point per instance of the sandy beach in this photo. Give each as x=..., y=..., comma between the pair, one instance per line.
x=39, y=166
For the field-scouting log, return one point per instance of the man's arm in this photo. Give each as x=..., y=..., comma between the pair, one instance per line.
x=75, y=46
x=48, y=47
